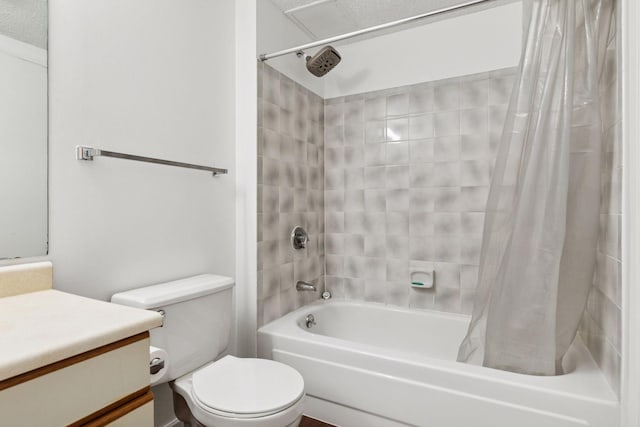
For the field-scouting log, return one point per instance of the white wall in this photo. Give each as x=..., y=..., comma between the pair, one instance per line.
x=466, y=44
x=150, y=77
x=247, y=182
x=276, y=32
x=25, y=20
x=23, y=149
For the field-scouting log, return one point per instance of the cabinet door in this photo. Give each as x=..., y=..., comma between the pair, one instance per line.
x=78, y=389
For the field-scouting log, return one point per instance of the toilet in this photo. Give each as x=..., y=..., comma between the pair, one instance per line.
x=210, y=390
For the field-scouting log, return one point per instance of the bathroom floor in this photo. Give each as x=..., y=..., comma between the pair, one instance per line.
x=311, y=422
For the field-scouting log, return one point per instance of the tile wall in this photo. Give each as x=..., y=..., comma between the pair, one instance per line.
x=290, y=192
x=404, y=177
x=407, y=174
x=601, y=327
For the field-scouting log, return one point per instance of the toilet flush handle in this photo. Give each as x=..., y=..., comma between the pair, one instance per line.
x=155, y=365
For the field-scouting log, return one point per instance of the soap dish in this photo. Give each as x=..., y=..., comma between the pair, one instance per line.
x=423, y=279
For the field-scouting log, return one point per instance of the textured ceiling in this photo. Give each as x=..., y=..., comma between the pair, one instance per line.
x=24, y=20
x=326, y=18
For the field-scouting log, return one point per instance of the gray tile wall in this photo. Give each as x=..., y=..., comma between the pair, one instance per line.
x=290, y=192
x=407, y=174
x=601, y=326
x=404, y=175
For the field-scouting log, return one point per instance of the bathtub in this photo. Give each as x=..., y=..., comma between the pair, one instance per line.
x=370, y=365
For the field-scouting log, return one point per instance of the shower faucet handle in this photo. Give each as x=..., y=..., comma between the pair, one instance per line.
x=299, y=238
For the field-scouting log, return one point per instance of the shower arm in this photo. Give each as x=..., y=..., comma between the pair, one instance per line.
x=266, y=56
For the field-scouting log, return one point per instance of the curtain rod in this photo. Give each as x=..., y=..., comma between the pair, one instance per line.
x=267, y=56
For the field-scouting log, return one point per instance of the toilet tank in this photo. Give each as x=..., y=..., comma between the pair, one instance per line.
x=197, y=318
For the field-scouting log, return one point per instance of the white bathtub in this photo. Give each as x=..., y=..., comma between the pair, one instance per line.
x=370, y=365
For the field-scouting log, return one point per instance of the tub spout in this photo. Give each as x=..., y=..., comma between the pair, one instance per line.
x=304, y=286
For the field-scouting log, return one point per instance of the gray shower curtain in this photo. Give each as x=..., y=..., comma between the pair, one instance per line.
x=541, y=225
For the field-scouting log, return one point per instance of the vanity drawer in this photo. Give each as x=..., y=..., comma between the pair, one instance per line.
x=79, y=389
x=136, y=413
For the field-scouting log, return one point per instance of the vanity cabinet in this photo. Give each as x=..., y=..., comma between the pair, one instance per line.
x=108, y=385
x=67, y=360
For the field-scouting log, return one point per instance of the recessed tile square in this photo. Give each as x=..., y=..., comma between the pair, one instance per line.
x=354, y=222
x=374, y=177
x=375, y=131
x=334, y=157
x=375, y=200
x=397, y=246
x=354, y=178
x=397, y=294
x=373, y=223
x=354, y=112
x=354, y=288
x=398, y=271
x=375, y=108
x=421, y=151
x=472, y=223
x=398, y=104
x=397, y=223
x=421, y=100
x=474, y=199
x=397, y=153
x=421, y=224
x=334, y=135
x=397, y=129
x=447, y=275
x=447, y=123
x=374, y=154
x=421, y=175
x=448, y=300
x=474, y=93
x=446, y=96
x=354, y=244
x=397, y=177
x=354, y=156
x=475, y=173
x=448, y=199
x=474, y=121
x=374, y=290
x=468, y=276
x=446, y=224
x=333, y=114
x=500, y=90
x=397, y=200
x=334, y=200
x=354, y=200
x=446, y=149
x=421, y=127
x=446, y=174
x=353, y=133
x=421, y=248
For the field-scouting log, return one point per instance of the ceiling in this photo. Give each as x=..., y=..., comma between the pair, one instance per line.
x=326, y=18
x=24, y=20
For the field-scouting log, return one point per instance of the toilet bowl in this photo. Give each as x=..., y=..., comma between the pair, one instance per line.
x=208, y=390
x=234, y=392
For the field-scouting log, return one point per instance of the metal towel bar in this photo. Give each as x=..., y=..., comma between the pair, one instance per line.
x=88, y=153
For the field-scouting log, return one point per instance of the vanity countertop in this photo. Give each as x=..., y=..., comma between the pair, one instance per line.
x=40, y=328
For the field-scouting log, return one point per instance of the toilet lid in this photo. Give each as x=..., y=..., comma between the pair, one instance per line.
x=247, y=386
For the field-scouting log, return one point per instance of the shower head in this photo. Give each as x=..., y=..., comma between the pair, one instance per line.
x=323, y=61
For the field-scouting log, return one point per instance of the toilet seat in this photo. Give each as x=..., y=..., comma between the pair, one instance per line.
x=246, y=388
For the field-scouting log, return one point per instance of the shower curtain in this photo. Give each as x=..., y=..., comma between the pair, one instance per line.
x=541, y=225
